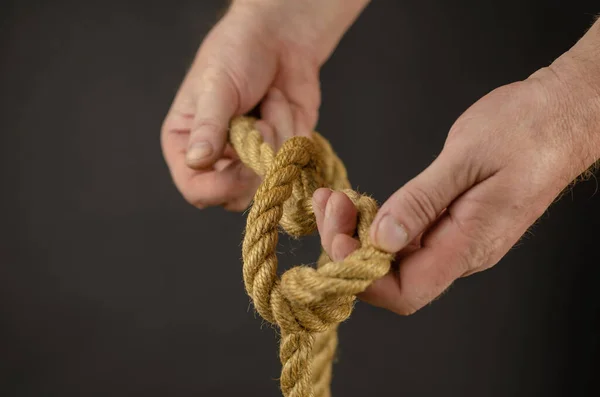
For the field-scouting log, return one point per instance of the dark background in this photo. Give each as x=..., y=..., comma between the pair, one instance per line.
x=112, y=285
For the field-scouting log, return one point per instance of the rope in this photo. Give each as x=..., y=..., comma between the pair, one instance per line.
x=307, y=304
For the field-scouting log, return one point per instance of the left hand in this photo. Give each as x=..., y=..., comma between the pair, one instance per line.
x=506, y=159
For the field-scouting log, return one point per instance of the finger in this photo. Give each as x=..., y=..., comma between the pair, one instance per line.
x=211, y=188
x=335, y=216
x=424, y=274
x=383, y=292
x=216, y=97
x=300, y=82
x=276, y=110
x=475, y=232
x=411, y=209
x=267, y=132
x=340, y=218
x=226, y=183
x=342, y=246
x=175, y=134
x=319, y=201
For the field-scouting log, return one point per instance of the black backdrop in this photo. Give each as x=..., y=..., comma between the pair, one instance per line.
x=111, y=285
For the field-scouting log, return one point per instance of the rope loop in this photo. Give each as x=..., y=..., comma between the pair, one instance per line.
x=307, y=304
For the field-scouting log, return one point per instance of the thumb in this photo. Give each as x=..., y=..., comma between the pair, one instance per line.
x=217, y=100
x=412, y=208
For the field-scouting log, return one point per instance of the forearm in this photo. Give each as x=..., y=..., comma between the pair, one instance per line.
x=584, y=56
x=317, y=24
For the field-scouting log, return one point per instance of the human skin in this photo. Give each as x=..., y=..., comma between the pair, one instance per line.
x=505, y=160
x=260, y=51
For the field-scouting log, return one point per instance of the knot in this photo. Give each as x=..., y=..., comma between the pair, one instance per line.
x=318, y=163
x=323, y=297
x=306, y=303
x=320, y=298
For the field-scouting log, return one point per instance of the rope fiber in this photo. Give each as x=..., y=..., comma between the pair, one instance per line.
x=306, y=303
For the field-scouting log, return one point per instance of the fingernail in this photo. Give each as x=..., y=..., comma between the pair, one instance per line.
x=198, y=151
x=390, y=236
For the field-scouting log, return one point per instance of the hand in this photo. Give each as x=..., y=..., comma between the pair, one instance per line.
x=269, y=51
x=505, y=160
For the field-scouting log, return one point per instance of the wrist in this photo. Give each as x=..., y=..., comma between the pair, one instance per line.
x=315, y=25
x=579, y=70
x=571, y=86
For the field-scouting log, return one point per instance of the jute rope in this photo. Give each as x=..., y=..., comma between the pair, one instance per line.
x=307, y=304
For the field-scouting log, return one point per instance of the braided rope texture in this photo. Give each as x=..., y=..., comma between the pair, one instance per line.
x=306, y=303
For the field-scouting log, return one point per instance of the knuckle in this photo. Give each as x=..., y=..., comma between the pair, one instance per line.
x=193, y=199
x=220, y=79
x=479, y=247
x=412, y=299
x=420, y=205
x=456, y=130
x=405, y=310
x=190, y=195
x=208, y=126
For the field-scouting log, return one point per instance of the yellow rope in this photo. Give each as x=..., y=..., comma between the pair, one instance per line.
x=306, y=303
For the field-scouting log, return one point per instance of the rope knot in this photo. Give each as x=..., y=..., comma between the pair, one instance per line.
x=323, y=297
x=306, y=303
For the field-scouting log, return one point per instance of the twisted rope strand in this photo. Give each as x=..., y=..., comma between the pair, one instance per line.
x=306, y=303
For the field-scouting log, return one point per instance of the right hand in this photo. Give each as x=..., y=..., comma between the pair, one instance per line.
x=251, y=55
